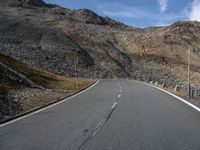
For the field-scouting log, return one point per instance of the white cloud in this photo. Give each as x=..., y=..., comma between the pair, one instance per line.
x=163, y=5
x=132, y=14
x=161, y=24
x=123, y=14
x=119, y=10
x=123, y=11
x=194, y=14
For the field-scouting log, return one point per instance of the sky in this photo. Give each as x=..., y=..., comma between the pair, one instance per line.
x=139, y=13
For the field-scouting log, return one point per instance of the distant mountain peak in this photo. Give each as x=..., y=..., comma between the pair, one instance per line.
x=185, y=24
x=87, y=12
x=81, y=15
x=27, y=3
x=89, y=17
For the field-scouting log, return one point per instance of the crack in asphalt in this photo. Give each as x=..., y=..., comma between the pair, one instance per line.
x=101, y=123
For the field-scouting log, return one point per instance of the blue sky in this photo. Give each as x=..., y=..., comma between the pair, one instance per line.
x=139, y=13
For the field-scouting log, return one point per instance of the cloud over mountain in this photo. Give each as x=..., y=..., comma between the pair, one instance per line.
x=195, y=11
x=163, y=5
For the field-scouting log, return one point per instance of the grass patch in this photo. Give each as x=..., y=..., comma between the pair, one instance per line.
x=44, y=78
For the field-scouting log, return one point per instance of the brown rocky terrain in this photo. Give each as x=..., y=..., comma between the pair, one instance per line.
x=23, y=88
x=54, y=39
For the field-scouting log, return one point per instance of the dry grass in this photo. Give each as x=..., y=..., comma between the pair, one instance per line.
x=43, y=78
x=25, y=99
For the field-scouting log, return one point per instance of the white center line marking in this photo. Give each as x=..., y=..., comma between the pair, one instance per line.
x=119, y=95
x=114, y=105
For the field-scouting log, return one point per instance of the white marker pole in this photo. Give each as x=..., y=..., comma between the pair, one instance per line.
x=189, y=61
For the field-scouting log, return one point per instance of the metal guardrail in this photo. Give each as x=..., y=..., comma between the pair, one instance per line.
x=194, y=91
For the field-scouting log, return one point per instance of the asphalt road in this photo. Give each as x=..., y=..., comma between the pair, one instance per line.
x=113, y=115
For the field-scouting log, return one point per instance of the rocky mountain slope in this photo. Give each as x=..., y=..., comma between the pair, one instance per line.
x=23, y=88
x=60, y=40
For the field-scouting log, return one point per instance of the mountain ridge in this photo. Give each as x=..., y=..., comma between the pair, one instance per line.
x=57, y=39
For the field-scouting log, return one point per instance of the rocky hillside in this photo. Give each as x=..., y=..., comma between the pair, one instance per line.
x=60, y=40
x=23, y=88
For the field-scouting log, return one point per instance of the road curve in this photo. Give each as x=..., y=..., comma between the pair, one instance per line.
x=114, y=114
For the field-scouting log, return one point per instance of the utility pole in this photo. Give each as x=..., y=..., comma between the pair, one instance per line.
x=189, y=62
x=75, y=68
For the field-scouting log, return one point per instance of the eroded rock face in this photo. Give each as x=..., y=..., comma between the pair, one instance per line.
x=8, y=103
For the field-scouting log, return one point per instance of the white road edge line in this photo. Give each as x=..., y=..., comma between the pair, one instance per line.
x=57, y=103
x=179, y=98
